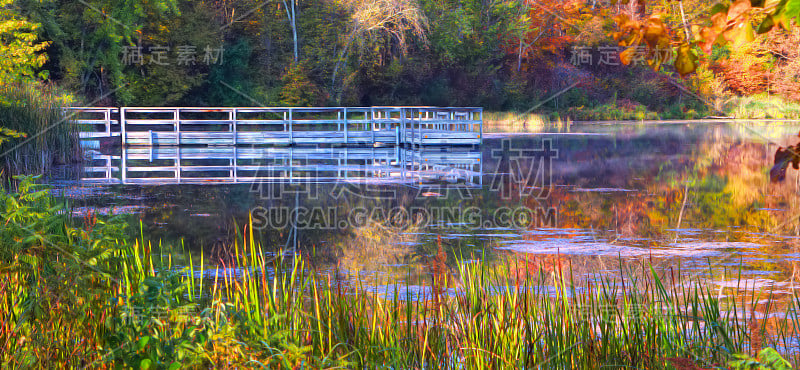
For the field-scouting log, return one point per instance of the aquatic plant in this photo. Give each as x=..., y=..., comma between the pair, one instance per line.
x=37, y=111
x=76, y=294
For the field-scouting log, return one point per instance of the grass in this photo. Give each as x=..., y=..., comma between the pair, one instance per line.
x=75, y=294
x=518, y=122
x=622, y=110
x=761, y=106
x=617, y=110
x=36, y=111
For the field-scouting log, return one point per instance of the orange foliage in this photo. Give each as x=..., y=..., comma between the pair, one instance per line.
x=785, y=77
x=545, y=28
x=744, y=70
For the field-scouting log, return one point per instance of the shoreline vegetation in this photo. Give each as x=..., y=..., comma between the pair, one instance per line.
x=578, y=61
x=37, y=131
x=76, y=293
x=744, y=108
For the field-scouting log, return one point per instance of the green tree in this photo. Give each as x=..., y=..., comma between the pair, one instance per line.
x=21, y=52
x=90, y=39
x=190, y=48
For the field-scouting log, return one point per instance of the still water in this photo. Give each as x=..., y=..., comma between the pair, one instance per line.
x=598, y=197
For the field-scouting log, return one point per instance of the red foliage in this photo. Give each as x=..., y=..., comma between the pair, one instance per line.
x=785, y=77
x=545, y=30
x=742, y=76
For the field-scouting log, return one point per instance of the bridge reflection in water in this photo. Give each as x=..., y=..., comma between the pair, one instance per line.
x=420, y=166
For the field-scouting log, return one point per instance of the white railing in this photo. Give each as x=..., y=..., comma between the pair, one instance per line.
x=158, y=126
x=95, y=122
x=215, y=165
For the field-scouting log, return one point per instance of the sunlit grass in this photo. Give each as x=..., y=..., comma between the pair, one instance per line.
x=66, y=301
x=762, y=107
x=518, y=122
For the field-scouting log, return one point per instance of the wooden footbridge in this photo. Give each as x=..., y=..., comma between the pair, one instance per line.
x=348, y=126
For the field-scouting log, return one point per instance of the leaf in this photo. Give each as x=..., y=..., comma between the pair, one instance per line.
x=773, y=359
x=742, y=361
x=710, y=35
x=626, y=56
x=31, y=260
x=740, y=34
x=780, y=16
x=145, y=364
x=719, y=8
x=686, y=60
x=778, y=171
x=654, y=33
x=143, y=342
x=766, y=25
x=768, y=358
x=791, y=12
x=738, y=8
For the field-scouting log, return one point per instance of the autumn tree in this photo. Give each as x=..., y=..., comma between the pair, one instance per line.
x=733, y=23
x=784, y=47
x=543, y=27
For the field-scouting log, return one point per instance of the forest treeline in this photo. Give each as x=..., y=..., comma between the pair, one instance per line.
x=574, y=58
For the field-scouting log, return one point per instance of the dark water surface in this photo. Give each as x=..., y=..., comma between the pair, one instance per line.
x=600, y=196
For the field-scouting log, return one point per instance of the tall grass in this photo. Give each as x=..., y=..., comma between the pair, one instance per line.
x=518, y=122
x=762, y=106
x=135, y=304
x=37, y=111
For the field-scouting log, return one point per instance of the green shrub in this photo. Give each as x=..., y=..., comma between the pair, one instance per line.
x=299, y=90
x=159, y=327
x=55, y=279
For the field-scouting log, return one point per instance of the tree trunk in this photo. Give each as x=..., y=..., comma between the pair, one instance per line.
x=291, y=15
x=683, y=19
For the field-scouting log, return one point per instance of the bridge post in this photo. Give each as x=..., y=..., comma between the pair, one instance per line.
x=372, y=124
x=123, y=165
x=402, y=132
x=232, y=118
x=107, y=119
x=480, y=137
x=122, y=124
x=291, y=135
x=346, y=139
x=176, y=115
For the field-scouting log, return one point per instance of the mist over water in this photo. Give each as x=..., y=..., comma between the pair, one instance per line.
x=694, y=197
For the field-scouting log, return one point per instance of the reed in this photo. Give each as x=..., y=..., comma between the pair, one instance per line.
x=132, y=305
x=37, y=111
x=288, y=315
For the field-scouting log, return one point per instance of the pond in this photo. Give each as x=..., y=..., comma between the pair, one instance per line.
x=598, y=197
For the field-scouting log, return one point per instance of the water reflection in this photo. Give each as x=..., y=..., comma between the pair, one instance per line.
x=418, y=166
x=696, y=197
